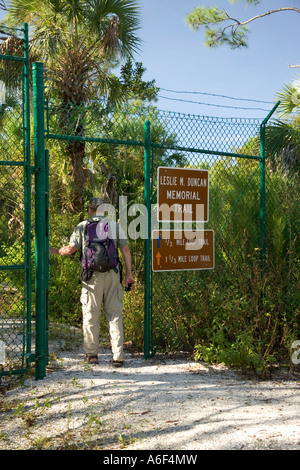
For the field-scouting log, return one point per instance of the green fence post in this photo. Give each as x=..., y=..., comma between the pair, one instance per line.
x=262, y=213
x=263, y=189
x=47, y=253
x=40, y=220
x=147, y=198
x=27, y=191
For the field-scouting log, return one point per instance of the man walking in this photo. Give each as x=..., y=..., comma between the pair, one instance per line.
x=103, y=288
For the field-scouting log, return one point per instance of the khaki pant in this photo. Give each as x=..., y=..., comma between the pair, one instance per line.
x=103, y=289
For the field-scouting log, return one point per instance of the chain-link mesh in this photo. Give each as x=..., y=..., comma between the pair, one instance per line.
x=183, y=301
x=14, y=247
x=248, y=305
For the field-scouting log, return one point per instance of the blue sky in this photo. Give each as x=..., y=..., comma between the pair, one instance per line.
x=176, y=58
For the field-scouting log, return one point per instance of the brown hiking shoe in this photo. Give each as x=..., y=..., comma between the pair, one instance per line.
x=91, y=359
x=117, y=363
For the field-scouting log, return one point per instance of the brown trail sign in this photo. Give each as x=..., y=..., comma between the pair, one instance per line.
x=179, y=250
x=182, y=194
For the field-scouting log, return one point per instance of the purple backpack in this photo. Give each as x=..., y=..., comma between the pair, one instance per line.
x=99, y=252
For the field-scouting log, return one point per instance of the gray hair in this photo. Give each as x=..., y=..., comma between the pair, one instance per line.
x=95, y=202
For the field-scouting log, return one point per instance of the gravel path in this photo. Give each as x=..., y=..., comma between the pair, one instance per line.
x=161, y=404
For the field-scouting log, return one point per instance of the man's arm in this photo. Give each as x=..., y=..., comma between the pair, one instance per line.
x=64, y=251
x=127, y=259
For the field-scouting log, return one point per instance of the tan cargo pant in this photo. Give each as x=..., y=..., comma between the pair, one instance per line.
x=103, y=289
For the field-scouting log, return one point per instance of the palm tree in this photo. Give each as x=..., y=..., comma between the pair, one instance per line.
x=79, y=41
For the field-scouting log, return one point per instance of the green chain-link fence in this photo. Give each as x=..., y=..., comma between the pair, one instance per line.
x=185, y=305
x=246, y=307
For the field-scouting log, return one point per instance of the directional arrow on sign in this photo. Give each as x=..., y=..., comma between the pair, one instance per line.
x=158, y=241
x=158, y=256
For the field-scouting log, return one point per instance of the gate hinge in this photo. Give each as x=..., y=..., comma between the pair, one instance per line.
x=30, y=357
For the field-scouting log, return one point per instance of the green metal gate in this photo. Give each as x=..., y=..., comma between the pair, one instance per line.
x=15, y=201
x=23, y=283
x=177, y=302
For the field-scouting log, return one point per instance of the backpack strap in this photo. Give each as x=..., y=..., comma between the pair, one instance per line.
x=85, y=274
x=121, y=270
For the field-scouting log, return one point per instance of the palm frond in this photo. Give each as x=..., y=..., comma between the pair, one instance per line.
x=116, y=22
x=283, y=144
x=289, y=98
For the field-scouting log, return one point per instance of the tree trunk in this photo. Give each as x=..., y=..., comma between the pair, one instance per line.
x=76, y=153
x=72, y=76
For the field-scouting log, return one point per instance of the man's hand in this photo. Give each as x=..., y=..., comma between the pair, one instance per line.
x=129, y=279
x=64, y=251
